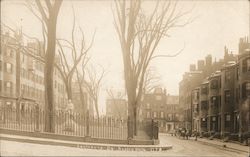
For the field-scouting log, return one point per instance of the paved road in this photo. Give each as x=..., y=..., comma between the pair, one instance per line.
x=194, y=148
x=180, y=148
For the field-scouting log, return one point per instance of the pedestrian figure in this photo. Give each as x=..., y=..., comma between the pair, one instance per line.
x=184, y=133
x=187, y=134
x=195, y=134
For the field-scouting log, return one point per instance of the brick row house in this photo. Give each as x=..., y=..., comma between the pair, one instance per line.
x=218, y=103
x=22, y=74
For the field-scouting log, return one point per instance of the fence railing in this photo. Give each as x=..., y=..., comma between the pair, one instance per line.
x=75, y=124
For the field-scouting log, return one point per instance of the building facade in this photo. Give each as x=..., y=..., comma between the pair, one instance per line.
x=22, y=75
x=163, y=108
x=220, y=103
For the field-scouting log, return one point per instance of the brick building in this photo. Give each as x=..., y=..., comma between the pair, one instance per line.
x=163, y=108
x=220, y=103
x=22, y=74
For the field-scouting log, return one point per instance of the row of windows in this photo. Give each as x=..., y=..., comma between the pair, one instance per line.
x=167, y=107
x=161, y=114
x=29, y=91
x=228, y=97
x=32, y=62
x=30, y=75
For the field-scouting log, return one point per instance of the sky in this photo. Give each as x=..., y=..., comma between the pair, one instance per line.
x=216, y=24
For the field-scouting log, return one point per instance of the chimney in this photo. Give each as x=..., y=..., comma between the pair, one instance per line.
x=201, y=65
x=192, y=67
x=209, y=60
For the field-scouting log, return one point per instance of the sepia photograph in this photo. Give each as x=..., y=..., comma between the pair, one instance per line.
x=125, y=78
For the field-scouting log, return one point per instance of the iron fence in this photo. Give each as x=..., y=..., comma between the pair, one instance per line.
x=74, y=124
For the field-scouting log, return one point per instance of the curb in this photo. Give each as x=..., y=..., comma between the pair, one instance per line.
x=83, y=145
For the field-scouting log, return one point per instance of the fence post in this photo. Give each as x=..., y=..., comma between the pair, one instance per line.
x=37, y=117
x=87, y=121
x=129, y=126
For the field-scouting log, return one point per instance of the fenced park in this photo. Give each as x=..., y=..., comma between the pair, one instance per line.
x=74, y=124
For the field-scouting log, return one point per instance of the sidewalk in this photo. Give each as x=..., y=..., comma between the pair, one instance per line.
x=85, y=145
x=225, y=145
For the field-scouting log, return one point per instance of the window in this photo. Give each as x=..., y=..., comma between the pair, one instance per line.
x=204, y=89
x=169, y=116
x=140, y=112
x=245, y=89
x=214, y=84
x=155, y=114
x=214, y=101
x=213, y=119
x=8, y=86
x=228, y=117
x=158, y=97
x=148, y=105
x=195, y=96
x=148, y=114
x=246, y=65
x=162, y=114
x=227, y=76
x=8, y=67
x=227, y=96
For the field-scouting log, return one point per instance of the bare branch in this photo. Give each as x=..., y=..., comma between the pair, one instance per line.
x=42, y=11
x=173, y=55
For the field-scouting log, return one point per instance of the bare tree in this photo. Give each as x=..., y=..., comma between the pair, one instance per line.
x=47, y=12
x=81, y=83
x=77, y=55
x=151, y=81
x=114, y=96
x=93, y=84
x=139, y=34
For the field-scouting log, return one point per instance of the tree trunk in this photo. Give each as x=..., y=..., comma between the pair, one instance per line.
x=69, y=90
x=96, y=108
x=48, y=75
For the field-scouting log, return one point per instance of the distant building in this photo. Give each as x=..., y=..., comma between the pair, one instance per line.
x=163, y=108
x=117, y=108
x=174, y=114
x=82, y=101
